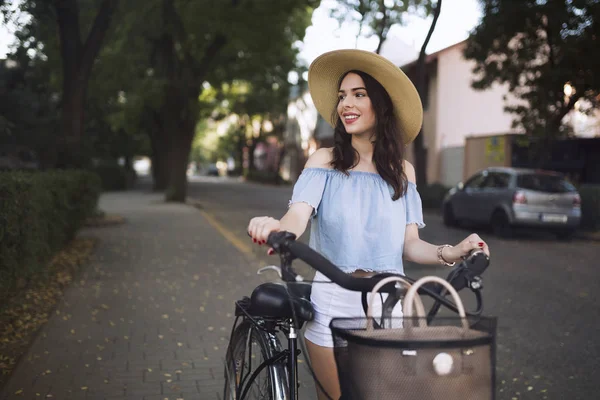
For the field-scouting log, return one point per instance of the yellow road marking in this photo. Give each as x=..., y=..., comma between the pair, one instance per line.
x=227, y=234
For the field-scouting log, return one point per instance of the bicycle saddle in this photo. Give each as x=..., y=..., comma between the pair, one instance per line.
x=273, y=300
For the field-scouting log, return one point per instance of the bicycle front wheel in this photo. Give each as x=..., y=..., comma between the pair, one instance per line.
x=250, y=347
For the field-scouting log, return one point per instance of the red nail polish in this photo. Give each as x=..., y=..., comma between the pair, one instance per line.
x=254, y=240
x=270, y=252
x=480, y=244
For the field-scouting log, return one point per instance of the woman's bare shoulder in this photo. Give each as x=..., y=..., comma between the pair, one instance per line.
x=320, y=158
x=409, y=171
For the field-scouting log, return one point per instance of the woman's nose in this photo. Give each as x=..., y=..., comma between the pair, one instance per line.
x=347, y=102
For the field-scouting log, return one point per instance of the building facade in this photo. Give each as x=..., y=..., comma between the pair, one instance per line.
x=453, y=113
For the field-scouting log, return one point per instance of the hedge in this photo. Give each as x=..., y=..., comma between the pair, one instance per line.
x=590, y=206
x=39, y=213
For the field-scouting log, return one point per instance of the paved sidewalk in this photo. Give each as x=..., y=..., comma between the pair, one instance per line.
x=148, y=318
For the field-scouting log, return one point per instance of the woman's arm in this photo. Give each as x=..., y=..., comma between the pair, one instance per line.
x=296, y=218
x=295, y=221
x=422, y=252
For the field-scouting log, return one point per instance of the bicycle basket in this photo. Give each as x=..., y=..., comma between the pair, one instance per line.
x=451, y=358
x=440, y=361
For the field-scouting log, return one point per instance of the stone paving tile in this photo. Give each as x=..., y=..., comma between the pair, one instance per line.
x=157, y=298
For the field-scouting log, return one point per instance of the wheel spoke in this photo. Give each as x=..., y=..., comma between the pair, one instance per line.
x=246, y=355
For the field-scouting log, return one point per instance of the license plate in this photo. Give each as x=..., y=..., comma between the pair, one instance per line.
x=554, y=218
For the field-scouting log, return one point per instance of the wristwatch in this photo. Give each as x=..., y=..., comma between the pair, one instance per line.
x=441, y=258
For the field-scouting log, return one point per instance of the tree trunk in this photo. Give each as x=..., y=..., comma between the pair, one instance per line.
x=160, y=176
x=78, y=59
x=184, y=75
x=420, y=152
x=152, y=124
x=178, y=159
x=180, y=113
x=72, y=116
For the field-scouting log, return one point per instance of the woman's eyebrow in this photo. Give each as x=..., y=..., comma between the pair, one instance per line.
x=352, y=90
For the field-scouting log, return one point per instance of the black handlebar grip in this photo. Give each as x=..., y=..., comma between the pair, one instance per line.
x=287, y=240
x=477, y=262
x=327, y=268
x=318, y=262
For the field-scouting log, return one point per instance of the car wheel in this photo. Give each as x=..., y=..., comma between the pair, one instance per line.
x=449, y=218
x=501, y=225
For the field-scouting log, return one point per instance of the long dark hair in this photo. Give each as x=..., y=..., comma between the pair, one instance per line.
x=388, y=151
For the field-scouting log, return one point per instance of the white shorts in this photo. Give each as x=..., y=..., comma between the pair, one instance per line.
x=332, y=301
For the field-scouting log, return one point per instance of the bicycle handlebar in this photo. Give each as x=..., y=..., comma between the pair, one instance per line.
x=285, y=242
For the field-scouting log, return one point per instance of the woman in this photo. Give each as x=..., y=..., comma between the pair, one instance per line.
x=360, y=194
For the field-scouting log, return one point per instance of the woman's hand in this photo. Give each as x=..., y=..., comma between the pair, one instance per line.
x=259, y=228
x=472, y=242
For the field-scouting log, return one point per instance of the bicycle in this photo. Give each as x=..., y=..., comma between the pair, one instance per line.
x=275, y=308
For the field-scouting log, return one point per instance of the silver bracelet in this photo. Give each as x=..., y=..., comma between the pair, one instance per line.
x=441, y=258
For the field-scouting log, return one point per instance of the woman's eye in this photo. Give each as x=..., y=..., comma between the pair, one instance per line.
x=360, y=94
x=341, y=97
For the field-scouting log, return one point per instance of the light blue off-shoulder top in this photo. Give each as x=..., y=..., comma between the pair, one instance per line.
x=355, y=223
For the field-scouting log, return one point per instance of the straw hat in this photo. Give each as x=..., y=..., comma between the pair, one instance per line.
x=326, y=71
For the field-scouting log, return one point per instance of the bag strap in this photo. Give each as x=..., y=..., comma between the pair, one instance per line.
x=379, y=285
x=412, y=294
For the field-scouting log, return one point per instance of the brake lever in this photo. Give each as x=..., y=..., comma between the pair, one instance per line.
x=270, y=267
x=466, y=274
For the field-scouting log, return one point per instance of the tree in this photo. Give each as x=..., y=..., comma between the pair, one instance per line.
x=379, y=16
x=28, y=105
x=198, y=44
x=420, y=152
x=376, y=17
x=258, y=107
x=546, y=52
x=77, y=53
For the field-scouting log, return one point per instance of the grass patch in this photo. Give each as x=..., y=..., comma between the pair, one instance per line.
x=29, y=307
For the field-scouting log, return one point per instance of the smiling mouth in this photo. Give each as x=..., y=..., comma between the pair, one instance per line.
x=349, y=119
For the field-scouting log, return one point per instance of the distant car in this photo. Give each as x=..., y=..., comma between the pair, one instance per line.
x=212, y=170
x=506, y=198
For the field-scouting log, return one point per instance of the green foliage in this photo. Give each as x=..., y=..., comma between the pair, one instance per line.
x=376, y=17
x=536, y=47
x=28, y=108
x=39, y=213
x=158, y=58
x=36, y=89
x=590, y=207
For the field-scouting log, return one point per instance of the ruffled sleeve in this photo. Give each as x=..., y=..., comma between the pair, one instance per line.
x=309, y=188
x=414, y=206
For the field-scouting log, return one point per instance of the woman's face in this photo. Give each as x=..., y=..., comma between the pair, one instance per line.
x=354, y=106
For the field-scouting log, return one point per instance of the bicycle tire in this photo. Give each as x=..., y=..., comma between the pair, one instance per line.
x=275, y=375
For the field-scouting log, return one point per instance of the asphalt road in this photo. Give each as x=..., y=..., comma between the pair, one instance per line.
x=543, y=292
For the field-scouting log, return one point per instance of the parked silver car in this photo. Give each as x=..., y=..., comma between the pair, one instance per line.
x=511, y=197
